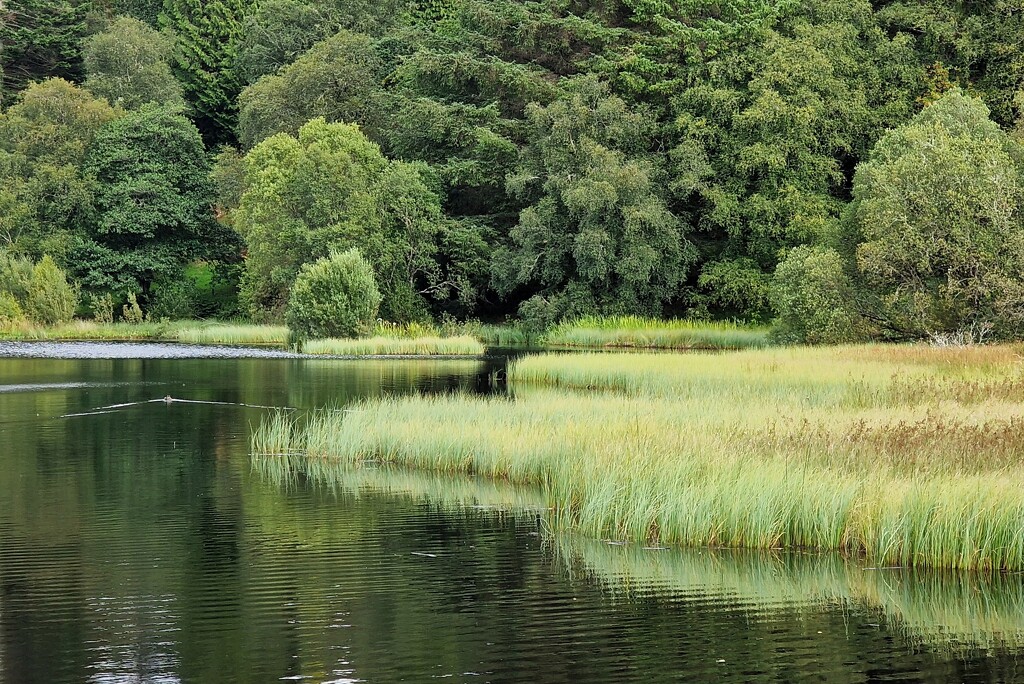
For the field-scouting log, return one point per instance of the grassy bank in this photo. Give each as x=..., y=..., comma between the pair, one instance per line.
x=195, y=332
x=905, y=455
x=651, y=333
x=462, y=345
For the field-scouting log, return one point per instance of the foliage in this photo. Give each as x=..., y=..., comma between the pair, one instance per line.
x=40, y=39
x=277, y=32
x=15, y=275
x=331, y=189
x=333, y=297
x=10, y=310
x=174, y=298
x=815, y=298
x=45, y=196
x=102, y=307
x=128, y=63
x=334, y=80
x=51, y=299
x=207, y=41
x=152, y=203
x=939, y=213
x=597, y=236
x=131, y=313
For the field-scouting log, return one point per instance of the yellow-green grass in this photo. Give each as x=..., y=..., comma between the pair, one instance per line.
x=907, y=456
x=83, y=330
x=652, y=333
x=231, y=333
x=462, y=345
x=195, y=332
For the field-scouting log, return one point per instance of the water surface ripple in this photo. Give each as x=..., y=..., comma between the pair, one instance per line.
x=142, y=545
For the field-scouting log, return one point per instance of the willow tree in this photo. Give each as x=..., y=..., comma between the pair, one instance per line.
x=938, y=211
x=597, y=235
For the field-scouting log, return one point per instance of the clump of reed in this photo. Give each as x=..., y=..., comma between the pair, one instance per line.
x=396, y=346
x=84, y=331
x=508, y=335
x=652, y=333
x=234, y=333
x=689, y=472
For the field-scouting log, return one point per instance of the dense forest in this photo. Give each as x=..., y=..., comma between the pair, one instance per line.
x=848, y=169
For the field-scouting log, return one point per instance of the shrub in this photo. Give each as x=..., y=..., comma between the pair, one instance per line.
x=102, y=307
x=333, y=297
x=131, y=312
x=15, y=276
x=10, y=310
x=174, y=299
x=815, y=298
x=938, y=208
x=51, y=299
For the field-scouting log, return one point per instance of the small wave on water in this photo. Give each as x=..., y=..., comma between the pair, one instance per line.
x=134, y=350
x=50, y=386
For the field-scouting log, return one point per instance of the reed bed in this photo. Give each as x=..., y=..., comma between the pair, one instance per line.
x=877, y=452
x=84, y=331
x=462, y=345
x=222, y=333
x=652, y=333
x=506, y=336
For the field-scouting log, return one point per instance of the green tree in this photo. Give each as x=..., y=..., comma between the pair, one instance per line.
x=938, y=211
x=767, y=107
x=15, y=276
x=337, y=80
x=331, y=189
x=597, y=236
x=207, y=41
x=336, y=296
x=128, y=64
x=278, y=32
x=51, y=299
x=304, y=197
x=45, y=197
x=40, y=39
x=152, y=203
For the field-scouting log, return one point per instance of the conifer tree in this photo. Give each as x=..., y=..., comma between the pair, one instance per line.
x=208, y=32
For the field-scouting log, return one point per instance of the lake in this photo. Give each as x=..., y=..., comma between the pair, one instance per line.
x=140, y=542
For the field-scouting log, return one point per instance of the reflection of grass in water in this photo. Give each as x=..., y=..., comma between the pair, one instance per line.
x=946, y=611
x=692, y=473
x=441, y=489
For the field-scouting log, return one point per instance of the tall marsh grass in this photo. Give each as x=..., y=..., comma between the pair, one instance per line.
x=905, y=456
x=396, y=346
x=223, y=333
x=194, y=332
x=652, y=333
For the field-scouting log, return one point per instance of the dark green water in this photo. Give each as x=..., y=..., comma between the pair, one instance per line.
x=142, y=544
